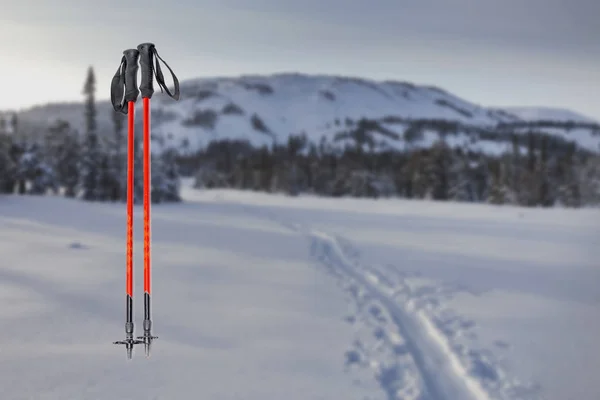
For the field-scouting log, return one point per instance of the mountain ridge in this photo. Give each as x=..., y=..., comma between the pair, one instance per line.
x=267, y=108
x=537, y=113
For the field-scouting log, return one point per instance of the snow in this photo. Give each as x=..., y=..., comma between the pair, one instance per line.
x=549, y=114
x=318, y=105
x=584, y=138
x=295, y=103
x=260, y=296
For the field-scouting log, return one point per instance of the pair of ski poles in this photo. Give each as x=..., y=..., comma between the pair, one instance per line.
x=124, y=94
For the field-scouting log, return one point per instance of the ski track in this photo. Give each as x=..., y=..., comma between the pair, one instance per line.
x=441, y=373
x=421, y=350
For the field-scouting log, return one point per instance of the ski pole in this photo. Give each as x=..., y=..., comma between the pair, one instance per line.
x=148, y=58
x=124, y=93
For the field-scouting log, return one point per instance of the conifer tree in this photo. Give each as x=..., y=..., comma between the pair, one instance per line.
x=62, y=154
x=459, y=187
x=19, y=147
x=138, y=171
x=166, y=181
x=91, y=157
x=7, y=166
x=118, y=158
x=36, y=171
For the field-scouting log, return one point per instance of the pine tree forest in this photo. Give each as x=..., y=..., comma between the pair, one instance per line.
x=90, y=165
x=536, y=170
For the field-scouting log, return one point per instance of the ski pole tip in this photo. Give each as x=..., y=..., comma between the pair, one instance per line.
x=129, y=342
x=147, y=340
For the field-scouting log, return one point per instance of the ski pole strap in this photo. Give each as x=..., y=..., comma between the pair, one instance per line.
x=150, y=66
x=124, y=88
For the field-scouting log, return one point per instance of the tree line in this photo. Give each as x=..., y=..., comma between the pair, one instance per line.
x=549, y=172
x=90, y=165
x=540, y=169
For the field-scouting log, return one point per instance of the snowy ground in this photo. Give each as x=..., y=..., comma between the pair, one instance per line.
x=266, y=297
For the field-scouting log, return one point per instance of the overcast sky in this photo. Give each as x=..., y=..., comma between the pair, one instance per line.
x=495, y=53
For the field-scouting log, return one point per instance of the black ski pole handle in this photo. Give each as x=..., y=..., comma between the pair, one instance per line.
x=124, y=88
x=150, y=67
x=146, y=51
x=131, y=70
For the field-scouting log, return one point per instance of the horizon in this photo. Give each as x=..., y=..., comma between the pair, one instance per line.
x=494, y=54
x=242, y=75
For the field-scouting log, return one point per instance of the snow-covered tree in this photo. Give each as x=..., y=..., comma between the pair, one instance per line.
x=499, y=192
x=545, y=196
x=118, y=157
x=62, y=150
x=8, y=167
x=589, y=179
x=36, y=171
x=90, y=168
x=459, y=186
x=138, y=171
x=92, y=152
x=166, y=181
x=437, y=169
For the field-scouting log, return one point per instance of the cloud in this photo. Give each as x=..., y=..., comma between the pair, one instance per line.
x=552, y=26
x=487, y=47
x=546, y=25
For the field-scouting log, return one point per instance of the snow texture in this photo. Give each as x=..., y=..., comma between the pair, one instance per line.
x=260, y=296
x=548, y=114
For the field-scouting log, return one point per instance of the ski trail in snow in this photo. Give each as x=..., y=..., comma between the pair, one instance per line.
x=420, y=352
x=440, y=370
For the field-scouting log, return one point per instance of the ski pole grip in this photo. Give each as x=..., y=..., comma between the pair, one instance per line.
x=146, y=53
x=131, y=88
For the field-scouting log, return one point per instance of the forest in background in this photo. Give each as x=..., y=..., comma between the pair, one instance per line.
x=91, y=165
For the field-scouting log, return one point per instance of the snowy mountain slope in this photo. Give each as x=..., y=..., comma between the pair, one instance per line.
x=548, y=114
x=267, y=297
x=263, y=109
x=291, y=103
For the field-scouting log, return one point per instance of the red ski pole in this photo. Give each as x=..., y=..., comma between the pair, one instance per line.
x=148, y=57
x=124, y=93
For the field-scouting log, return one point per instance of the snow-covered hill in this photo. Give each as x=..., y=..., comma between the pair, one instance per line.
x=263, y=109
x=549, y=114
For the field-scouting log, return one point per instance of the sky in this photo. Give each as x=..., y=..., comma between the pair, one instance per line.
x=493, y=53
